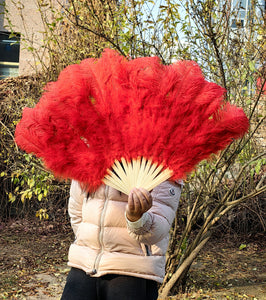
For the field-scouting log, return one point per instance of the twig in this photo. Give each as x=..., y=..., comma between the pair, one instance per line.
x=259, y=216
x=10, y=133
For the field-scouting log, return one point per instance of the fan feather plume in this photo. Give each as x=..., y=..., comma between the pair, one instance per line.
x=129, y=122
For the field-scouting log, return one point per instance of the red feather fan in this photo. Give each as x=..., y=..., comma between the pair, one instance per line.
x=129, y=122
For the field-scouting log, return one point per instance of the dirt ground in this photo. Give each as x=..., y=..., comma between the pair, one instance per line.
x=33, y=264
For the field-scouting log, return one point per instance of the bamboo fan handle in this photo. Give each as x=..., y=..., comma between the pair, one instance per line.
x=140, y=172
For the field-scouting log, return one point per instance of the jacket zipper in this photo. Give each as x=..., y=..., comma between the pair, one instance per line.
x=99, y=255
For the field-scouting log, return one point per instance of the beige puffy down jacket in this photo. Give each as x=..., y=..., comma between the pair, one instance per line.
x=107, y=243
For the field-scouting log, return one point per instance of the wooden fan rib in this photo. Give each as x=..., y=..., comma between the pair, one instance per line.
x=141, y=171
x=121, y=173
x=152, y=172
x=146, y=169
x=136, y=168
x=166, y=174
x=108, y=180
x=114, y=178
x=126, y=170
x=149, y=169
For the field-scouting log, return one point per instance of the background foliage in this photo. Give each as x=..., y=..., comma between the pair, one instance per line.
x=25, y=184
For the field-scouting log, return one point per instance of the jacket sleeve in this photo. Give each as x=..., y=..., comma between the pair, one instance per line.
x=155, y=224
x=75, y=205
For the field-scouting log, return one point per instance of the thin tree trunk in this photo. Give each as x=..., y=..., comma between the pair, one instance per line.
x=169, y=285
